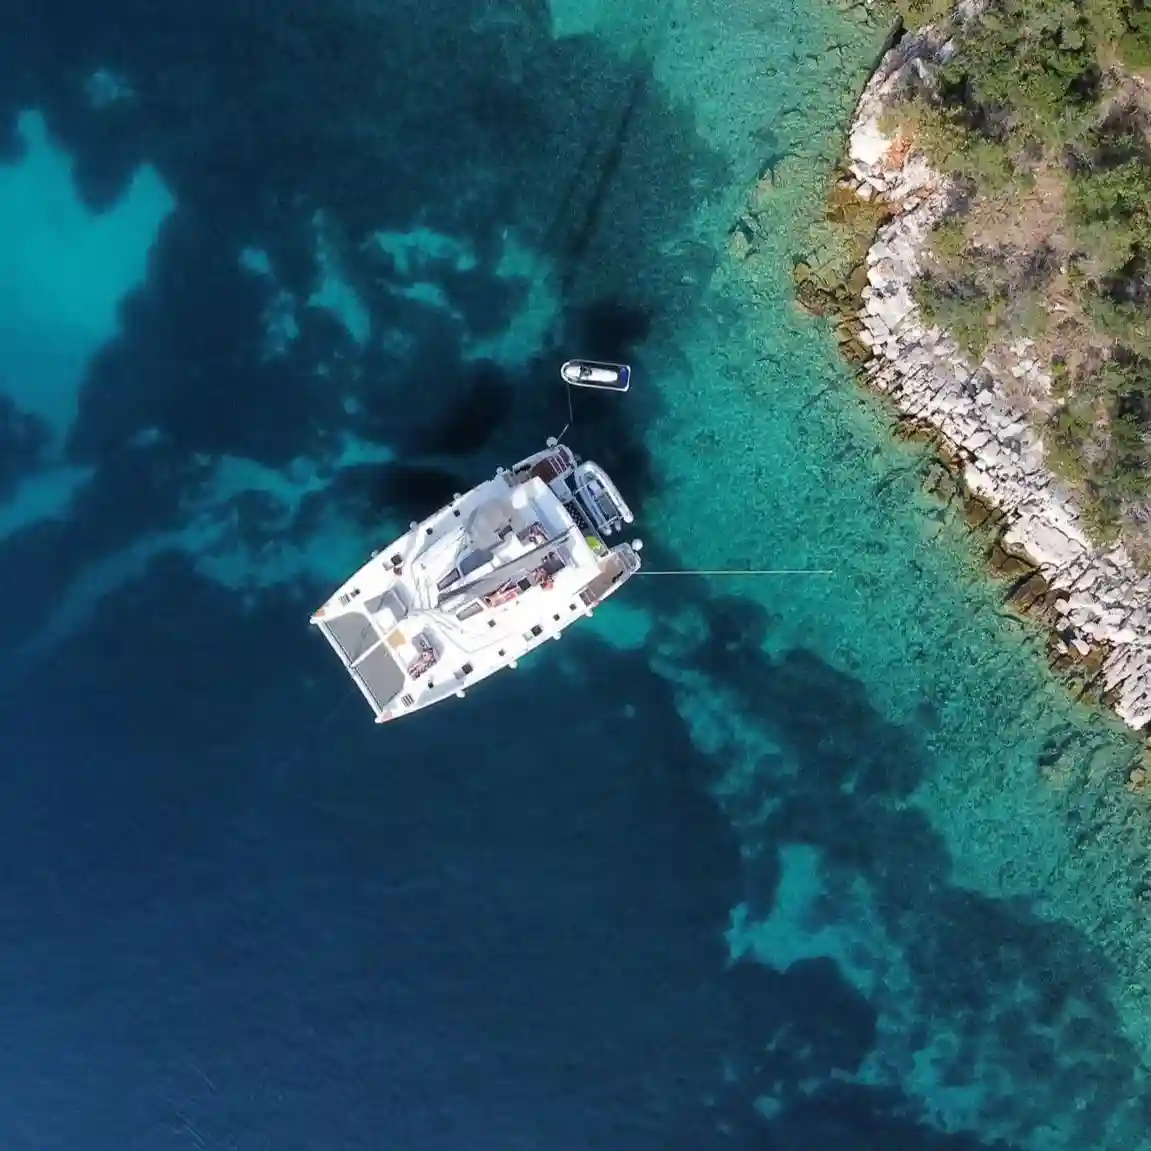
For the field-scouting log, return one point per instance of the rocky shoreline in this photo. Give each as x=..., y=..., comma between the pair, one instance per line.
x=1096, y=602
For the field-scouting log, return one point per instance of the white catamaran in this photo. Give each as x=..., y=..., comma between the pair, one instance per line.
x=480, y=583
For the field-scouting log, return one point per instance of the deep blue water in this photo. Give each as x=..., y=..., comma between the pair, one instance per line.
x=271, y=284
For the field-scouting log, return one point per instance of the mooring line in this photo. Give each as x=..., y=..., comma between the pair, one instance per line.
x=738, y=572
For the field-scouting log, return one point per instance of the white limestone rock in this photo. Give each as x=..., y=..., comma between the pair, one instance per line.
x=893, y=309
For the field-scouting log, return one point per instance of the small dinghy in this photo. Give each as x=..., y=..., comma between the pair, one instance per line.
x=593, y=374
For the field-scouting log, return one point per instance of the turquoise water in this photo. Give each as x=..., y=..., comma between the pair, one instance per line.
x=776, y=862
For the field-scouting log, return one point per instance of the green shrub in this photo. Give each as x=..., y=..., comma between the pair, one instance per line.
x=1028, y=67
x=965, y=310
x=1124, y=323
x=1098, y=438
x=1135, y=43
x=1115, y=201
x=916, y=13
x=949, y=242
x=957, y=149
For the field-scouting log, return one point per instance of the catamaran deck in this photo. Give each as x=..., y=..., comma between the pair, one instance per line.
x=478, y=584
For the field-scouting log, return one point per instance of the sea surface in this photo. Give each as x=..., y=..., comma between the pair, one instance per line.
x=781, y=862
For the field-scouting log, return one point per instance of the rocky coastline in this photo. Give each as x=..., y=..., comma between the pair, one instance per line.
x=1095, y=600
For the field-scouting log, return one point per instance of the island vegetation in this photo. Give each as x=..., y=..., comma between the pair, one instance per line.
x=1042, y=114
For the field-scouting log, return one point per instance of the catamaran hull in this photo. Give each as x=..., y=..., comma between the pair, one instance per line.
x=480, y=583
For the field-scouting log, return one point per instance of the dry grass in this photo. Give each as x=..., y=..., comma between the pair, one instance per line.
x=1016, y=225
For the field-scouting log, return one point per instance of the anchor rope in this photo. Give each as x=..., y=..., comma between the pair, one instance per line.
x=571, y=413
